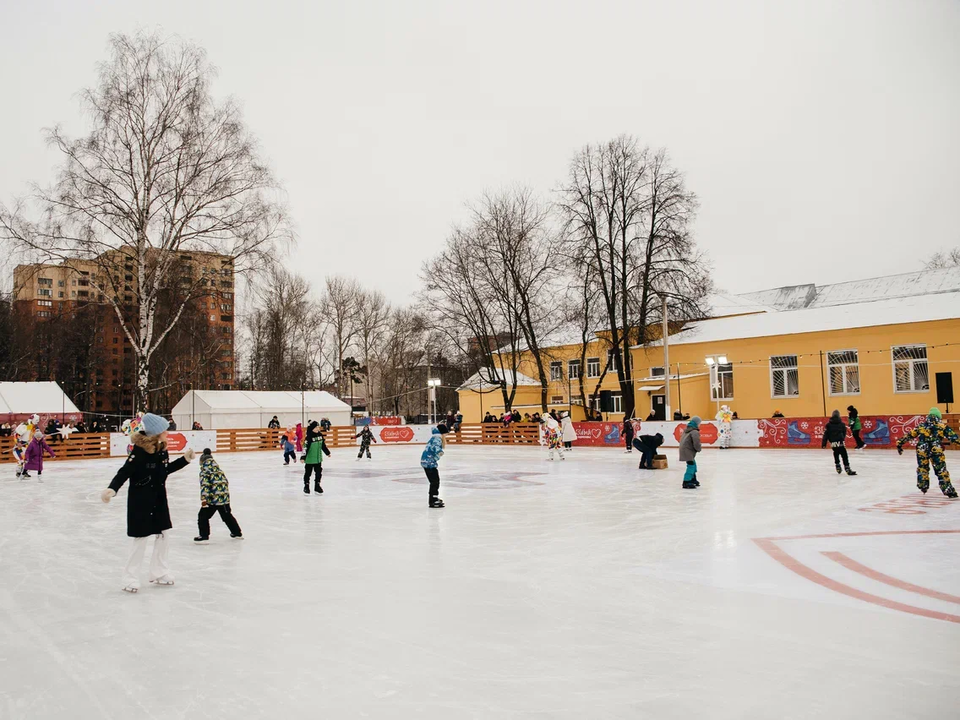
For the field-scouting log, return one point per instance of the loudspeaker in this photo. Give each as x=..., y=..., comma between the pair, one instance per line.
x=606, y=401
x=944, y=388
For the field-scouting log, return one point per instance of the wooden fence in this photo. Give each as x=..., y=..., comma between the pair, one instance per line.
x=258, y=439
x=76, y=447
x=495, y=434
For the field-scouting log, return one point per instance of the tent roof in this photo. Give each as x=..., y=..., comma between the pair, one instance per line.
x=267, y=400
x=34, y=397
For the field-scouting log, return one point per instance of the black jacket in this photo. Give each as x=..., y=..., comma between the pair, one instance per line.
x=628, y=428
x=147, y=468
x=649, y=441
x=835, y=431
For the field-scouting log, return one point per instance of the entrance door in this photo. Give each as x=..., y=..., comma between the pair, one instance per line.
x=659, y=407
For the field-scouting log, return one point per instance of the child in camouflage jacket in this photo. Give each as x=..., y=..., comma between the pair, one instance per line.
x=214, y=498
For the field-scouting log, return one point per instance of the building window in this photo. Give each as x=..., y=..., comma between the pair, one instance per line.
x=612, y=360
x=910, y=372
x=593, y=367
x=721, y=382
x=213, y=318
x=60, y=294
x=844, y=372
x=556, y=370
x=45, y=281
x=657, y=372
x=45, y=303
x=616, y=400
x=59, y=283
x=573, y=369
x=43, y=292
x=43, y=313
x=226, y=308
x=557, y=400
x=784, y=376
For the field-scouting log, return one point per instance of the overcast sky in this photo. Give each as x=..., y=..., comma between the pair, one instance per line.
x=820, y=135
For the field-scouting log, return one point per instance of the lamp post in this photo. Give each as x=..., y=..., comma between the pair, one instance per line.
x=432, y=385
x=666, y=362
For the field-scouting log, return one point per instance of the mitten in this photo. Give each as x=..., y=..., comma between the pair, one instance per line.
x=108, y=494
x=189, y=454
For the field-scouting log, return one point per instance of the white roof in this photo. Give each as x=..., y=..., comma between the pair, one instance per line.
x=724, y=305
x=796, y=297
x=262, y=400
x=894, y=311
x=43, y=398
x=492, y=377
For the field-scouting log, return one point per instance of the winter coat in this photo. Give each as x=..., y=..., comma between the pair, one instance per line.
x=929, y=433
x=34, y=455
x=834, y=432
x=214, y=488
x=316, y=448
x=147, y=468
x=366, y=437
x=854, y=417
x=569, y=432
x=628, y=429
x=433, y=450
x=650, y=442
x=690, y=444
x=299, y=435
x=287, y=445
x=274, y=425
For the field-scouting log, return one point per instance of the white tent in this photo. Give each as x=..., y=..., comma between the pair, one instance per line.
x=234, y=409
x=47, y=399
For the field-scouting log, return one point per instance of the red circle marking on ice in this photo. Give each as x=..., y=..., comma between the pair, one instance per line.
x=397, y=434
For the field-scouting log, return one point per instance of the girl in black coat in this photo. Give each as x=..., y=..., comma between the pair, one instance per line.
x=147, y=468
x=835, y=433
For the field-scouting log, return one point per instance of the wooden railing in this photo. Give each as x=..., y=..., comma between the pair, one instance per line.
x=76, y=447
x=258, y=439
x=496, y=434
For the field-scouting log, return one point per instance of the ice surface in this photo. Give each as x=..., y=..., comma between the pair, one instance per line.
x=582, y=589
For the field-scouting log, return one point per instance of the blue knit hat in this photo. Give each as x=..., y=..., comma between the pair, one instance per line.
x=151, y=424
x=694, y=421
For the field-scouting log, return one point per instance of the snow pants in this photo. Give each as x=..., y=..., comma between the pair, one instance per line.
x=208, y=511
x=289, y=455
x=364, y=448
x=691, y=472
x=934, y=455
x=857, y=438
x=316, y=469
x=840, y=454
x=158, y=563
x=433, y=475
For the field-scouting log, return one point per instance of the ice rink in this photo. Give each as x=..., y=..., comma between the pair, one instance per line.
x=584, y=589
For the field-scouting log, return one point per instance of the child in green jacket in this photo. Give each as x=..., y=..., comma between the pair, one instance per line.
x=314, y=451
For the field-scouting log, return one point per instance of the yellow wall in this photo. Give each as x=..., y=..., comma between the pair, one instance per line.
x=751, y=371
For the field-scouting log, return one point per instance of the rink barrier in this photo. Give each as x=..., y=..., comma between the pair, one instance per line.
x=76, y=447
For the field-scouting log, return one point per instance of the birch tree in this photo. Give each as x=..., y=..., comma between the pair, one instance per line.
x=165, y=168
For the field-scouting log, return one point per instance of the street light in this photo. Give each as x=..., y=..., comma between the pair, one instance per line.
x=432, y=385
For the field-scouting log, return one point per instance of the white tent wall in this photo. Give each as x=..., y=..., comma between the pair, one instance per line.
x=237, y=409
x=47, y=399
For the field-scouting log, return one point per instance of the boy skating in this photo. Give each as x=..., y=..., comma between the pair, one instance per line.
x=628, y=434
x=429, y=461
x=835, y=433
x=930, y=434
x=289, y=452
x=855, y=426
x=214, y=498
x=147, y=468
x=366, y=436
x=314, y=451
x=689, y=447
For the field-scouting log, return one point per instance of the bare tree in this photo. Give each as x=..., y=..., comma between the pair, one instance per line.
x=628, y=219
x=373, y=315
x=340, y=309
x=467, y=304
x=517, y=253
x=164, y=169
x=943, y=259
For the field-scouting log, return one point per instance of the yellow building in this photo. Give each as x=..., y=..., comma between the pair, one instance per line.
x=877, y=344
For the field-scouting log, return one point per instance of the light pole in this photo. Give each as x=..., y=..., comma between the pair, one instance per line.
x=432, y=385
x=666, y=362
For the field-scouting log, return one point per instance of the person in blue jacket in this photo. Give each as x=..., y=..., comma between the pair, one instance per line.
x=428, y=461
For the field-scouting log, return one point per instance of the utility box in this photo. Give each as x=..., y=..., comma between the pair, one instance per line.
x=659, y=462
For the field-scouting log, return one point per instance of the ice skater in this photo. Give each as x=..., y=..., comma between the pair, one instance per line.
x=930, y=434
x=647, y=445
x=214, y=498
x=20, y=455
x=366, y=436
x=855, y=426
x=289, y=452
x=33, y=457
x=552, y=437
x=724, y=420
x=689, y=447
x=429, y=461
x=628, y=434
x=314, y=451
x=147, y=468
x=835, y=433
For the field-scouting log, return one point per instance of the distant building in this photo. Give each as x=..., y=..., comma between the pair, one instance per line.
x=83, y=290
x=804, y=350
